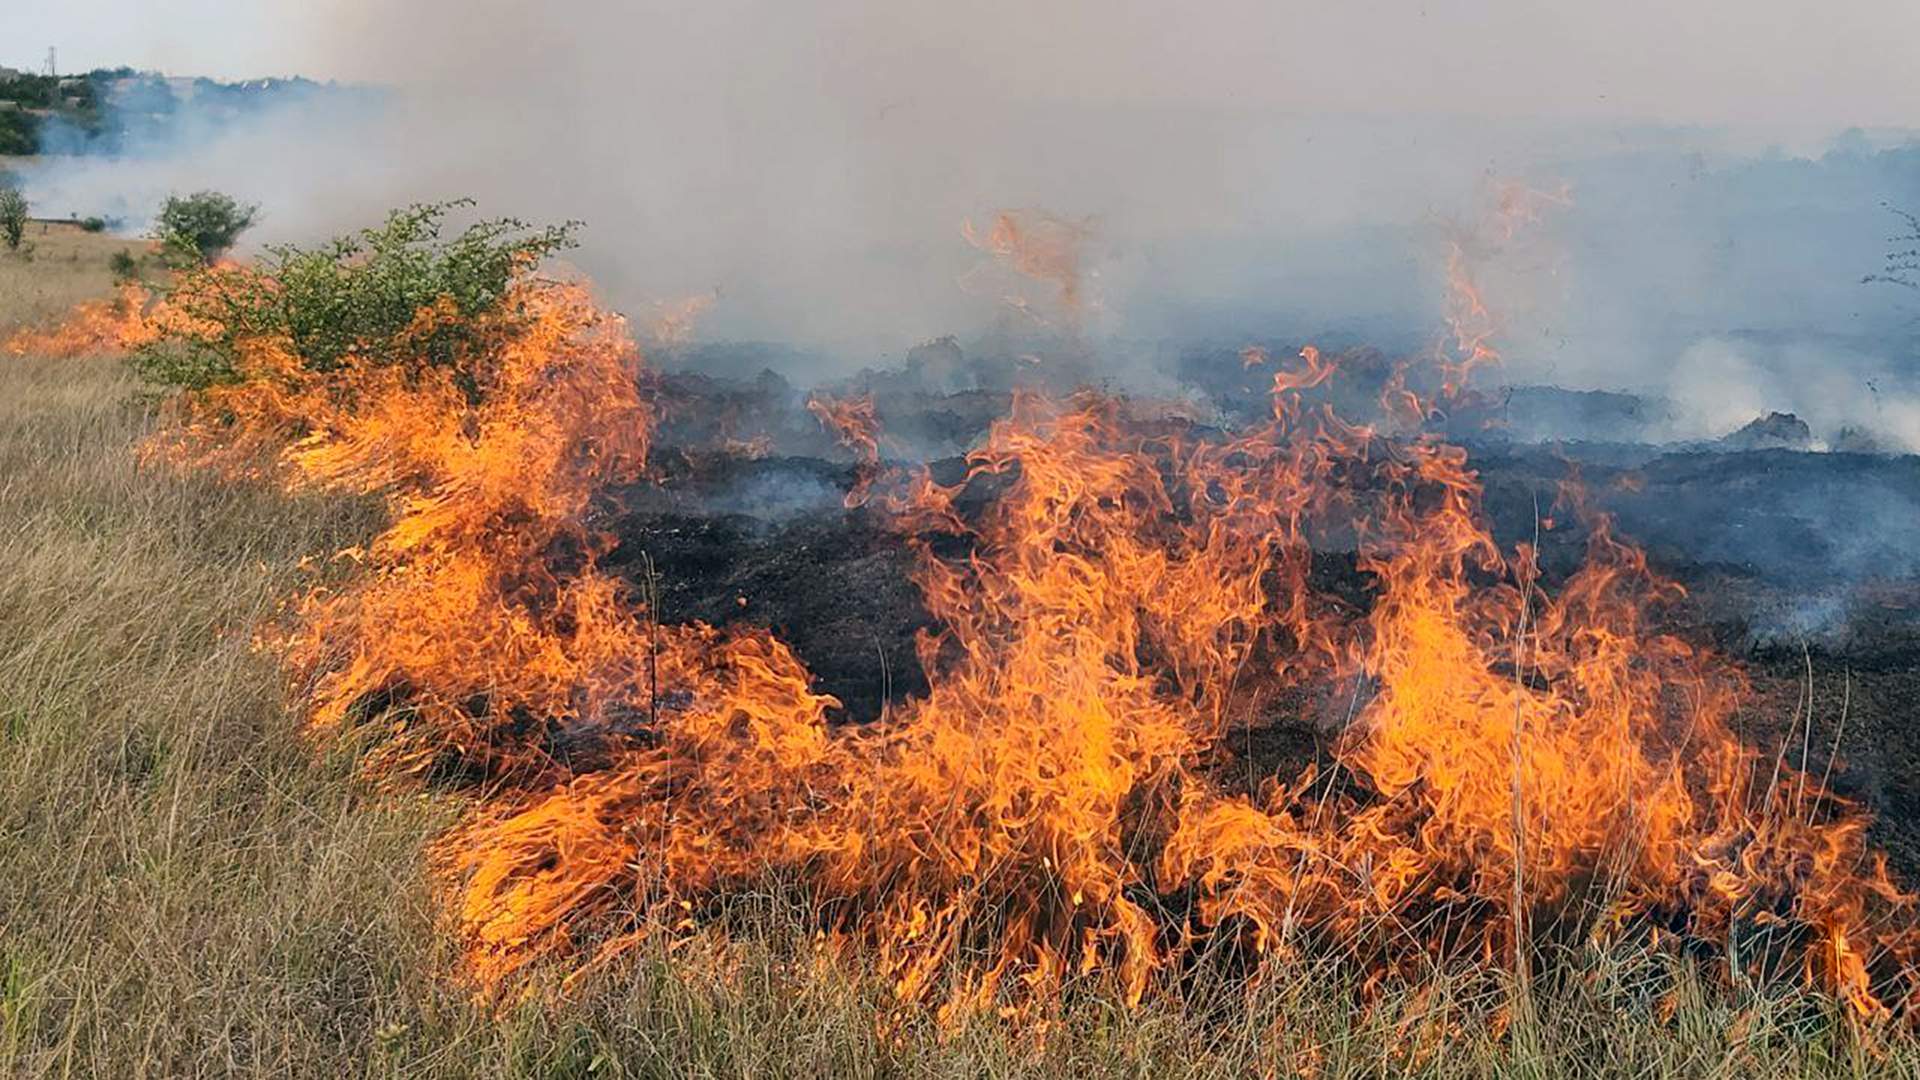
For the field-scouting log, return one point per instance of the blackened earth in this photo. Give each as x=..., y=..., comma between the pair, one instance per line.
x=1795, y=563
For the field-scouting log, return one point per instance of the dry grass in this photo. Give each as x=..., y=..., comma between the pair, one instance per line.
x=59, y=265
x=187, y=887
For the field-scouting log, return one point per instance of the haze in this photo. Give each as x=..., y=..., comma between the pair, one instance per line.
x=1806, y=65
x=1250, y=168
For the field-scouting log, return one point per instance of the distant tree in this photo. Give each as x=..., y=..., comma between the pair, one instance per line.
x=32, y=91
x=1902, y=266
x=13, y=217
x=19, y=132
x=199, y=227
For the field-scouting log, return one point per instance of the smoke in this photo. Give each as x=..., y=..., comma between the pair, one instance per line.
x=1850, y=400
x=1248, y=172
x=269, y=143
x=790, y=186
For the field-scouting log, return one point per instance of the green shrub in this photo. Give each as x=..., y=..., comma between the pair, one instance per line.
x=199, y=227
x=124, y=266
x=19, y=132
x=93, y=224
x=355, y=294
x=13, y=216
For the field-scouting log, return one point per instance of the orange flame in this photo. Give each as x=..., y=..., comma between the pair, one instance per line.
x=852, y=421
x=1039, y=246
x=490, y=486
x=671, y=322
x=94, y=328
x=855, y=424
x=1472, y=323
x=1520, y=763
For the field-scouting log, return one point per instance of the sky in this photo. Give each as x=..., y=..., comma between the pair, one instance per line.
x=1773, y=62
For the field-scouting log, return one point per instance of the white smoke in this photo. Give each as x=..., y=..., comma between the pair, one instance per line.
x=1848, y=399
x=1254, y=170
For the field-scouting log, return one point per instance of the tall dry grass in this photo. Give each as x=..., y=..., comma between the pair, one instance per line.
x=58, y=266
x=188, y=887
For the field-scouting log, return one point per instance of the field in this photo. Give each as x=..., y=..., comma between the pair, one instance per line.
x=189, y=886
x=65, y=265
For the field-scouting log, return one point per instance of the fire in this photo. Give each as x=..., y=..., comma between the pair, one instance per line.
x=94, y=328
x=672, y=322
x=852, y=421
x=1521, y=764
x=1470, y=320
x=1041, y=247
x=856, y=425
x=490, y=486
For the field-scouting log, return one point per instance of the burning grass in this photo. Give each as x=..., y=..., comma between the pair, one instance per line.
x=94, y=328
x=1522, y=765
x=68, y=267
x=1542, y=846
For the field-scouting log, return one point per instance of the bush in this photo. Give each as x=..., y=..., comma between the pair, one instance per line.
x=93, y=224
x=124, y=266
x=199, y=227
x=356, y=295
x=13, y=216
x=19, y=132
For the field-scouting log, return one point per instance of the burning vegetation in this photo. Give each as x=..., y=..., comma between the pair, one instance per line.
x=1523, y=761
x=113, y=327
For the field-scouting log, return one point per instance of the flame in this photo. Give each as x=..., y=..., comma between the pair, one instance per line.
x=852, y=421
x=94, y=328
x=856, y=425
x=672, y=322
x=490, y=486
x=1521, y=763
x=1039, y=246
x=1470, y=320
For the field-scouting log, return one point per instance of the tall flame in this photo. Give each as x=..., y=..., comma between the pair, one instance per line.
x=1520, y=763
x=481, y=614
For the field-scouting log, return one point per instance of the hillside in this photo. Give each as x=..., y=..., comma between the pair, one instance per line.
x=30, y=103
x=119, y=110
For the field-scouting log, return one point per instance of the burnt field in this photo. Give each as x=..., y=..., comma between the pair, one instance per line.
x=1791, y=561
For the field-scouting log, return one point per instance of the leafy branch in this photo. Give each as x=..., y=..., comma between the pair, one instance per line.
x=1902, y=266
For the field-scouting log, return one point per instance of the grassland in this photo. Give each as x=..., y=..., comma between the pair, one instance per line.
x=61, y=264
x=190, y=887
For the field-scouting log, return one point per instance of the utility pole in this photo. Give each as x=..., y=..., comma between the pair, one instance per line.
x=51, y=57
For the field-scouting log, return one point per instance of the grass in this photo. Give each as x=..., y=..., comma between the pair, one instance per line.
x=59, y=265
x=189, y=887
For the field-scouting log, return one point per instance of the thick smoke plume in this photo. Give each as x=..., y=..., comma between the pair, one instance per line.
x=808, y=172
